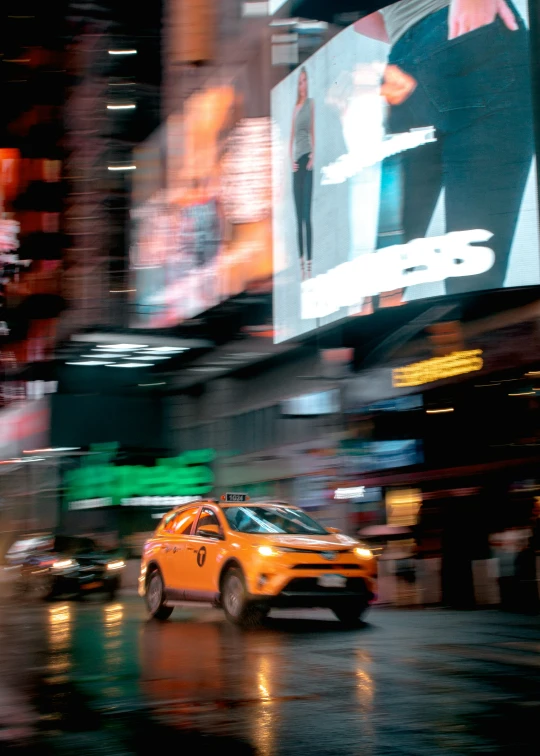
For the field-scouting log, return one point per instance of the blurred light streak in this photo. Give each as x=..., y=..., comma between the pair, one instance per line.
x=350, y=493
x=130, y=51
x=59, y=627
x=114, y=616
x=364, y=687
x=265, y=722
x=120, y=347
x=52, y=449
x=87, y=363
x=122, y=168
x=442, y=410
x=129, y=364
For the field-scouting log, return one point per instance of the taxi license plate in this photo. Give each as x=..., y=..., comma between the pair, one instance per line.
x=90, y=586
x=332, y=581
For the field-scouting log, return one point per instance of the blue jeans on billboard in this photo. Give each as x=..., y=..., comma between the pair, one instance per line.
x=476, y=91
x=303, y=190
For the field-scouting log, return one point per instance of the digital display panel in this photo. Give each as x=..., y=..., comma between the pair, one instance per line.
x=321, y=403
x=207, y=236
x=369, y=456
x=404, y=165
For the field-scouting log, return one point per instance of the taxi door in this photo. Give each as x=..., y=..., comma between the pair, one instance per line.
x=173, y=548
x=205, y=551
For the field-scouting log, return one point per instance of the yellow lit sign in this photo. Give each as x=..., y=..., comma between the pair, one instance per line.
x=402, y=506
x=437, y=368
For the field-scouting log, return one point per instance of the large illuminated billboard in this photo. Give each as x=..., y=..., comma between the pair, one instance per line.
x=207, y=236
x=404, y=163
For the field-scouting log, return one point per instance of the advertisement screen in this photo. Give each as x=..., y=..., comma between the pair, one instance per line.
x=367, y=456
x=404, y=164
x=321, y=403
x=207, y=236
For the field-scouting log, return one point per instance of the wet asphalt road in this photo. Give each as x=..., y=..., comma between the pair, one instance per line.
x=98, y=678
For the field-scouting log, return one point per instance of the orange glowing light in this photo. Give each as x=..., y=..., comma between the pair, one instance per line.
x=437, y=368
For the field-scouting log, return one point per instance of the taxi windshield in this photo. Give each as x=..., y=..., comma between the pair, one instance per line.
x=261, y=519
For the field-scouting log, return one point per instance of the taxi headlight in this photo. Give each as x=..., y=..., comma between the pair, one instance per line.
x=64, y=564
x=362, y=552
x=267, y=551
x=118, y=564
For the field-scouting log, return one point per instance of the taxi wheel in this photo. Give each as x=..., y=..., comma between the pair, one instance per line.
x=155, y=597
x=238, y=609
x=350, y=614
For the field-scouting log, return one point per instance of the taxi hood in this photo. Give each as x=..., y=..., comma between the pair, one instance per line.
x=329, y=541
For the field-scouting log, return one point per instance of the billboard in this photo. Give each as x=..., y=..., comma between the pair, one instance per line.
x=404, y=164
x=368, y=456
x=207, y=236
x=149, y=158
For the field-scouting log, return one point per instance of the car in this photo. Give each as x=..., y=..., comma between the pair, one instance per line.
x=68, y=565
x=23, y=547
x=249, y=557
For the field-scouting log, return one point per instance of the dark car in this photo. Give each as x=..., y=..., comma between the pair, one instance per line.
x=70, y=565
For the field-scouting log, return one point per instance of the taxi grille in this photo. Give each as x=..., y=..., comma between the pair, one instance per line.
x=313, y=552
x=326, y=567
x=309, y=585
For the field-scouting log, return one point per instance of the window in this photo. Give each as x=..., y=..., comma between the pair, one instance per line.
x=209, y=520
x=272, y=519
x=180, y=523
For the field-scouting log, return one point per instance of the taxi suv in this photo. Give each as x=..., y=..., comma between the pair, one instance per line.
x=249, y=557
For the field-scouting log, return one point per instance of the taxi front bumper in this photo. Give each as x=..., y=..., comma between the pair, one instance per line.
x=311, y=596
x=305, y=589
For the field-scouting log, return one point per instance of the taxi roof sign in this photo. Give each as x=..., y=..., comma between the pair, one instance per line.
x=235, y=498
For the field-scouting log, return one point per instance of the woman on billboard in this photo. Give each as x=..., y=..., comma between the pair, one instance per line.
x=302, y=146
x=461, y=66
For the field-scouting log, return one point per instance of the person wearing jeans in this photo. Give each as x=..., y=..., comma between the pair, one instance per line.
x=301, y=147
x=462, y=67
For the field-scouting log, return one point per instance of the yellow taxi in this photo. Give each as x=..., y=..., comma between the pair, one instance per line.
x=249, y=557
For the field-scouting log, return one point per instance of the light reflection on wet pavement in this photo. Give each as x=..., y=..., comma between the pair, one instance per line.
x=98, y=678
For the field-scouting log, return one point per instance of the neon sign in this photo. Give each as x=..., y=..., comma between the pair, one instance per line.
x=437, y=368
x=185, y=475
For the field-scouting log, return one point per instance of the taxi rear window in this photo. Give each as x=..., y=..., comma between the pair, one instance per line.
x=180, y=523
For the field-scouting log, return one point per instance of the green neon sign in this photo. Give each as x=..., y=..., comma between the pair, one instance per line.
x=185, y=475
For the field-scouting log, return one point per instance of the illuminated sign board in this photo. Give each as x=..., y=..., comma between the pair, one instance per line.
x=359, y=456
x=187, y=475
x=321, y=403
x=437, y=368
x=136, y=501
x=208, y=236
x=275, y=5
x=356, y=492
x=9, y=238
x=400, y=170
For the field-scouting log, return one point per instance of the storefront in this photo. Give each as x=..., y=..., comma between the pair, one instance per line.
x=124, y=502
x=452, y=441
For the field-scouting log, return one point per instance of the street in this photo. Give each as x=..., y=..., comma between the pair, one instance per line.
x=98, y=678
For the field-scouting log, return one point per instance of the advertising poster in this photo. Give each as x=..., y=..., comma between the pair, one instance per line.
x=404, y=164
x=207, y=236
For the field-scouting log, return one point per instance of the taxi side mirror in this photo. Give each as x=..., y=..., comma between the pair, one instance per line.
x=333, y=530
x=210, y=531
